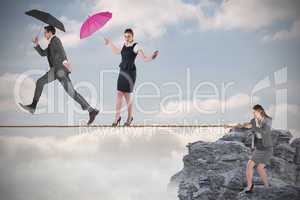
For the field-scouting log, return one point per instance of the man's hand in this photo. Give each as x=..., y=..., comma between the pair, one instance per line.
x=35, y=40
x=67, y=64
x=107, y=41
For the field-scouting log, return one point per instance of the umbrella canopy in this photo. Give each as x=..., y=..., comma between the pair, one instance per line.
x=47, y=18
x=94, y=23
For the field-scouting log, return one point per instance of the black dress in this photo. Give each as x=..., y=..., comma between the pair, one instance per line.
x=127, y=73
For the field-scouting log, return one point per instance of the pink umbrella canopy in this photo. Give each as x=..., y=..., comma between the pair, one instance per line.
x=94, y=23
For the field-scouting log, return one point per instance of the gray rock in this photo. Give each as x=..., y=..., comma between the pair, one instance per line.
x=281, y=136
x=297, y=156
x=289, y=192
x=236, y=136
x=216, y=170
x=244, y=136
x=280, y=169
x=295, y=143
x=285, y=151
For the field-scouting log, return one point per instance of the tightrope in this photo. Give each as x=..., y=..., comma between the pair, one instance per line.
x=132, y=126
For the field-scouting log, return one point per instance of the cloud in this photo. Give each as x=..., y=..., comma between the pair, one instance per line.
x=149, y=19
x=152, y=19
x=253, y=15
x=71, y=37
x=8, y=100
x=107, y=163
x=248, y=15
x=292, y=33
x=209, y=106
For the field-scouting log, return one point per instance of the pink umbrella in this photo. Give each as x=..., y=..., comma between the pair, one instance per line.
x=94, y=23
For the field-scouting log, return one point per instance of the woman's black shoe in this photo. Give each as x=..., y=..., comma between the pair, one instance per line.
x=128, y=122
x=116, y=123
x=250, y=190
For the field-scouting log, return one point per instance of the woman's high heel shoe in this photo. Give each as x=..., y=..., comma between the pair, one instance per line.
x=128, y=122
x=250, y=190
x=117, y=123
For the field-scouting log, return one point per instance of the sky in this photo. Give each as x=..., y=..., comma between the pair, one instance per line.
x=106, y=164
x=217, y=59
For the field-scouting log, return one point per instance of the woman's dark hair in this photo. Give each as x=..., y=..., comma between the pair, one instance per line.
x=50, y=28
x=261, y=109
x=129, y=30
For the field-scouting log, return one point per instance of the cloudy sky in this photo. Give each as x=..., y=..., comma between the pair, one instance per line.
x=109, y=164
x=217, y=58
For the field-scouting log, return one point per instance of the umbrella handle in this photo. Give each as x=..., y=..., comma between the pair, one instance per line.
x=38, y=35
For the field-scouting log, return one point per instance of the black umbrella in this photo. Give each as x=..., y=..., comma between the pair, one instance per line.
x=47, y=18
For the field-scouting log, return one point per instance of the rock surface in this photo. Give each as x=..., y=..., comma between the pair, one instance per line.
x=216, y=170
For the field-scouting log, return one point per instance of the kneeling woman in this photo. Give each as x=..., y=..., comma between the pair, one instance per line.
x=127, y=73
x=262, y=142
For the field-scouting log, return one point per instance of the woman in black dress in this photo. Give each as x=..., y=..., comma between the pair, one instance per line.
x=127, y=73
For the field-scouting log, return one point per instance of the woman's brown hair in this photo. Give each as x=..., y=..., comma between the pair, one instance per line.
x=261, y=109
x=129, y=30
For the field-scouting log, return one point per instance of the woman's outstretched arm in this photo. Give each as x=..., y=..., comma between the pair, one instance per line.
x=244, y=125
x=114, y=48
x=147, y=58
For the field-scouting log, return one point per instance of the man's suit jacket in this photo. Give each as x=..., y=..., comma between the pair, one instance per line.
x=55, y=54
x=265, y=130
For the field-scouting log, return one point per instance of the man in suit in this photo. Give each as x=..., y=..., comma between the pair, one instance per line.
x=59, y=70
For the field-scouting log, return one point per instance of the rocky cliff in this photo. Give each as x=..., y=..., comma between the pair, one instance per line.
x=216, y=170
